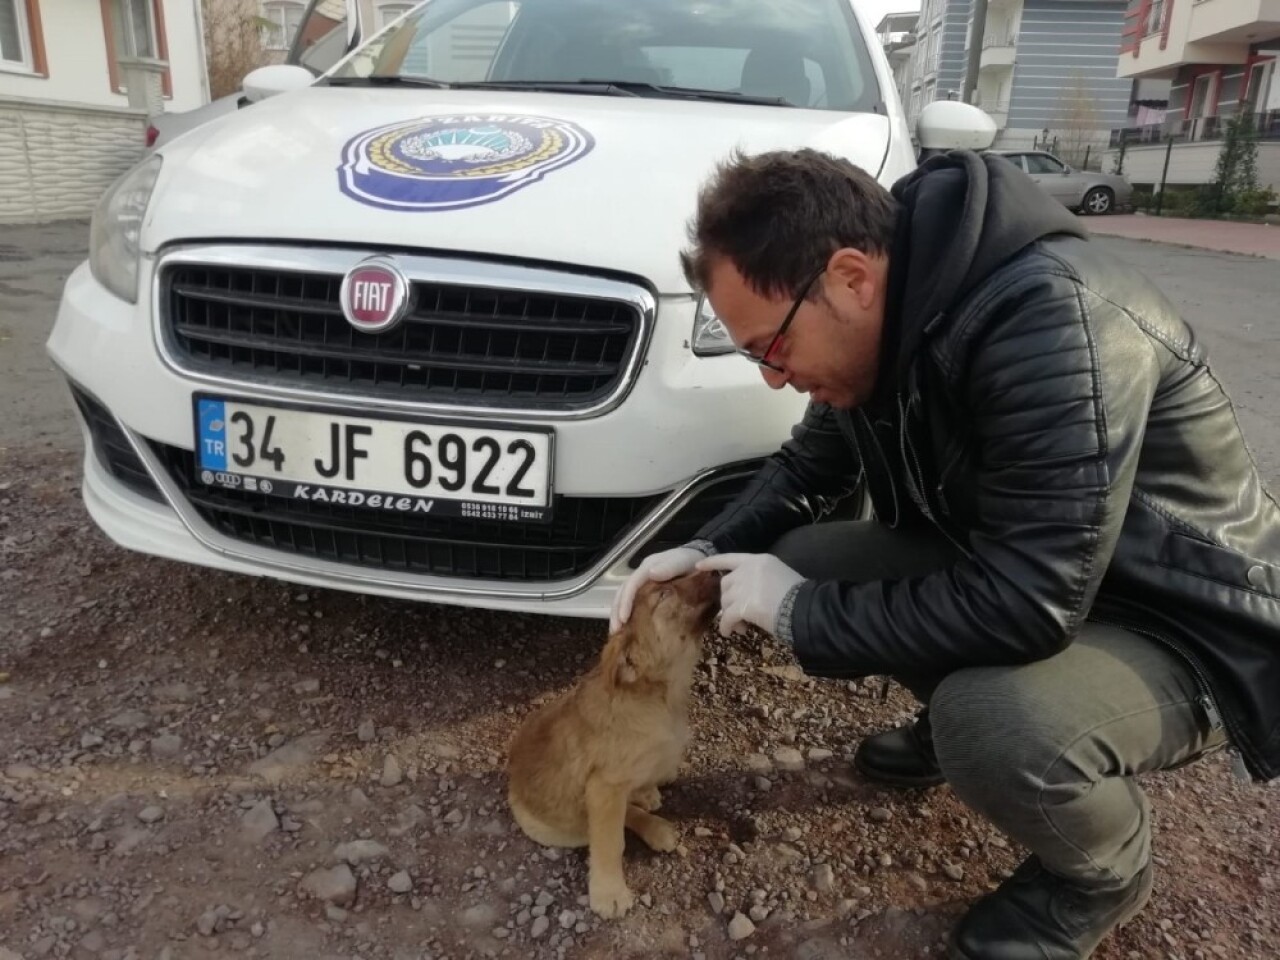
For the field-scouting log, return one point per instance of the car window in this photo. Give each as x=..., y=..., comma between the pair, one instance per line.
x=1039, y=163
x=807, y=52
x=321, y=39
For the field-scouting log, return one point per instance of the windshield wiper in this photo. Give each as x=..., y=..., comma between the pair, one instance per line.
x=608, y=88
x=392, y=80
x=622, y=88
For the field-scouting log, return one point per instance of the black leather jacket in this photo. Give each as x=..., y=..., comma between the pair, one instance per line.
x=1061, y=425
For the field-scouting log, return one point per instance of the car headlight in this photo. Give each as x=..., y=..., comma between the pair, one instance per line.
x=115, y=231
x=710, y=338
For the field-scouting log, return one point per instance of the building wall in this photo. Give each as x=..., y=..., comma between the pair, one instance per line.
x=76, y=50
x=953, y=57
x=1190, y=163
x=56, y=160
x=1066, y=53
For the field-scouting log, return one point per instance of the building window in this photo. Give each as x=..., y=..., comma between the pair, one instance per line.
x=15, y=44
x=387, y=12
x=134, y=28
x=21, y=40
x=282, y=20
x=1155, y=17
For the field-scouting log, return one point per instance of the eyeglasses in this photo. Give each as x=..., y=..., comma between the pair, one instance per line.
x=763, y=359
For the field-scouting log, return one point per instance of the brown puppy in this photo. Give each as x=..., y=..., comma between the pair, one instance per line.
x=589, y=764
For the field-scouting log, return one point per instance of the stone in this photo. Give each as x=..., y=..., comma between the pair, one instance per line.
x=259, y=822
x=881, y=814
x=400, y=883
x=166, y=746
x=539, y=928
x=359, y=851
x=823, y=878
x=392, y=775
x=289, y=758
x=789, y=760
x=335, y=885
x=366, y=732
x=954, y=871
x=741, y=927
x=716, y=899
x=151, y=814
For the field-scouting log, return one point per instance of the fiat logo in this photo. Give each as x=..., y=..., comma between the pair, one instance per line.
x=374, y=295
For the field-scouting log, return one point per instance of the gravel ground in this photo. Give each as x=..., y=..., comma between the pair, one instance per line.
x=195, y=764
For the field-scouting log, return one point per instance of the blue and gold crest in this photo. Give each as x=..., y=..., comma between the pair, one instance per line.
x=459, y=160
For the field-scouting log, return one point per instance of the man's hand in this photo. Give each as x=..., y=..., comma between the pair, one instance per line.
x=751, y=590
x=666, y=565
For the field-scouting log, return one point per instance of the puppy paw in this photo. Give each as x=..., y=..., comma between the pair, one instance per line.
x=660, y=835
x=610, y=898
x=647, y=798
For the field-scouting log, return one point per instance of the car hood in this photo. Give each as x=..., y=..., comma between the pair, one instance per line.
x=604, y=183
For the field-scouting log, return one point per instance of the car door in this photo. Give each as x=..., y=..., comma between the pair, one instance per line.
x=1052, y=176
x=330, y=29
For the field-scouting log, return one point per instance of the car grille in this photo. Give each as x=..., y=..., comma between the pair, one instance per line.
x=112, y=447
x=703, y=508
x=582, y=530
x=460, y=345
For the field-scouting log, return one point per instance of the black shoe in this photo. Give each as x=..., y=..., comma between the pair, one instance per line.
x=901, y=758
x=1036, y=915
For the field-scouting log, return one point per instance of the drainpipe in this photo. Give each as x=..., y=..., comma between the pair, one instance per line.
x=976, y=37
x=202, y=63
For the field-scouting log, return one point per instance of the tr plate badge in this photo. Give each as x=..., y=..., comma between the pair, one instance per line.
x=374, y=295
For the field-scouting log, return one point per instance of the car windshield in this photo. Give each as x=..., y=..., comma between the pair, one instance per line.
x=804, y=53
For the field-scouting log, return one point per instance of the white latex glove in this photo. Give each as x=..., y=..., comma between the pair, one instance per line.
x=666, y=565
x=751, y=590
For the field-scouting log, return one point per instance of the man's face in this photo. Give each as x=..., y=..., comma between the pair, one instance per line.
x=831, y=348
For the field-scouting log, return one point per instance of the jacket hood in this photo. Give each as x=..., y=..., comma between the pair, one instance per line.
x=961, y=216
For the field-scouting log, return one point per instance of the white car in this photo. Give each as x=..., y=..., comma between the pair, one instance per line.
x=417, y=328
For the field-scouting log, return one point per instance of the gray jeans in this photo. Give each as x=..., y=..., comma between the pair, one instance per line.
x=1047, y=751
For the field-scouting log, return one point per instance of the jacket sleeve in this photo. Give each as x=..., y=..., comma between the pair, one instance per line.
x=1056, y=434
x=812, y=472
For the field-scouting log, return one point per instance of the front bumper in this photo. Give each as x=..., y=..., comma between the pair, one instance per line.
x=687, y=430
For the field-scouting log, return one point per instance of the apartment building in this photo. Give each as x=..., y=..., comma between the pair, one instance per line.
x=897, y=35
x=939, y=57
x=1219, y=58
x=1045, y=70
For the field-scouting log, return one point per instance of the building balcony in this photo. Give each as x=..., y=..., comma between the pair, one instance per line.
x=1195, y=129
x=1000, y=49
x=1233, y=21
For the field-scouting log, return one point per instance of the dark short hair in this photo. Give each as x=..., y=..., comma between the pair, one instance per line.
x=778, y=216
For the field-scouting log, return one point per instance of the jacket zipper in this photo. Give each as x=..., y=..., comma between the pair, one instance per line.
x=912, y=463
x=1206, y=701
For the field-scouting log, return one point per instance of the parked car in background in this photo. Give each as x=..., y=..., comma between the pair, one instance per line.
x=418, y=327
x=1084, y=191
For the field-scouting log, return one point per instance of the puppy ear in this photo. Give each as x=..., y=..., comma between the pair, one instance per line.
x=616, y=662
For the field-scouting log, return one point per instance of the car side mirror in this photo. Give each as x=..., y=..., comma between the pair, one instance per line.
x=274, y=79
x=952, y=125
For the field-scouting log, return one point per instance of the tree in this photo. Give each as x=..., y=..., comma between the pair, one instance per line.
x=1077, y=120
x=233, y=43
x=1236, y=175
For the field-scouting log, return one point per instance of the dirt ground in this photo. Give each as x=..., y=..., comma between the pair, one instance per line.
x=201, y=765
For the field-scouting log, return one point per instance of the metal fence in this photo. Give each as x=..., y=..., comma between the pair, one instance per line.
x=1180, y=130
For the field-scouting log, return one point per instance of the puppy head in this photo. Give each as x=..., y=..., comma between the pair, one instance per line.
x=663, y=637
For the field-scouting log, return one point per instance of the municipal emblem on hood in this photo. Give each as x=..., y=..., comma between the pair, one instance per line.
x=458, y=160
x=374, y=295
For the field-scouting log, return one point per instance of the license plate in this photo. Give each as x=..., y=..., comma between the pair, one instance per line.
x=401, y=466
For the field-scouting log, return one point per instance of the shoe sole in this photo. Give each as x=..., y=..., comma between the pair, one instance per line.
x=955, y=953
x=891, y=780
